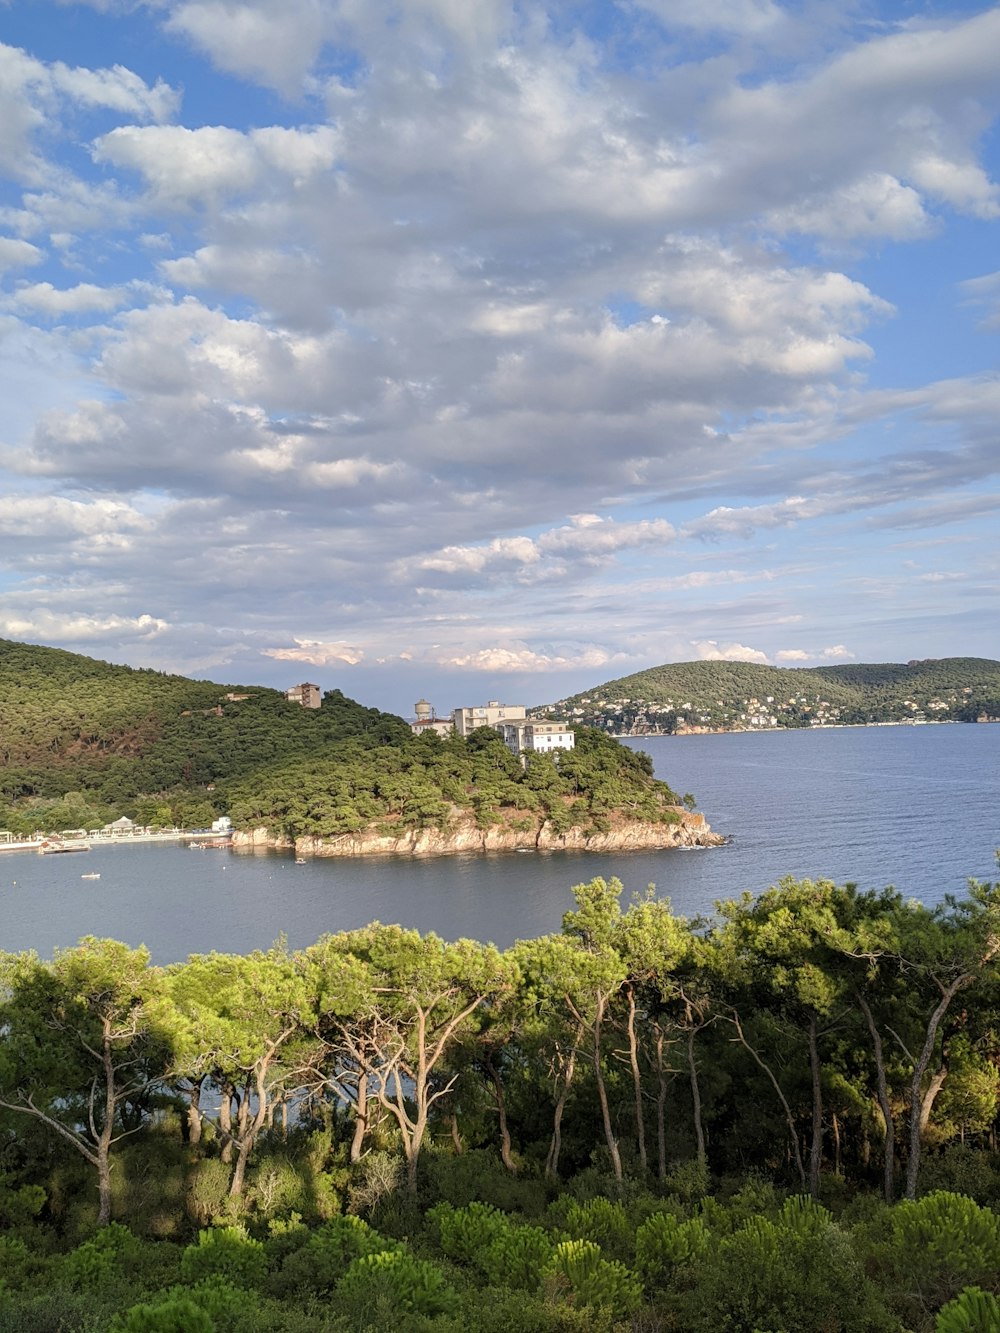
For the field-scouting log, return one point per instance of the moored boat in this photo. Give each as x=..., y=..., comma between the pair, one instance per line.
x=50, y=846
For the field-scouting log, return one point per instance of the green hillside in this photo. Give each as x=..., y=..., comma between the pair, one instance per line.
x=83, y=742
x=744, y=695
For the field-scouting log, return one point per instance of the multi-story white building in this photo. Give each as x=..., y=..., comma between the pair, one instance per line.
x=536, y=735
x=466, y=720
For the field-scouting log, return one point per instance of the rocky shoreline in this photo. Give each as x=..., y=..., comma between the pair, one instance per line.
x=690, y=830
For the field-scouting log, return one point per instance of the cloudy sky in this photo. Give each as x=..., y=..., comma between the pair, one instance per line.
x=485, y=349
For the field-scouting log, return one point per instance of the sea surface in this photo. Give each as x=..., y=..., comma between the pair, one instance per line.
x=915, y=807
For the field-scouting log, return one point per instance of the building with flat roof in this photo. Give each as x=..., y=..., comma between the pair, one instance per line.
x=309, y=696
x=536, y=736
x=466, y=720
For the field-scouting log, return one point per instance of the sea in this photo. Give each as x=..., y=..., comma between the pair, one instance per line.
x=916, y=807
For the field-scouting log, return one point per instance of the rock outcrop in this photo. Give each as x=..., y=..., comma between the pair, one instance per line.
x=690, y=830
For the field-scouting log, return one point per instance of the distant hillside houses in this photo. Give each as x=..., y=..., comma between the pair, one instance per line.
x=521, y=734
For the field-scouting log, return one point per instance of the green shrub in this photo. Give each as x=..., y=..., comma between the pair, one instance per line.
x=464, y=1233
x=795, y=1272
x=178, y=1314
x=207, y=1191
x=92, y=1264
x=581, y=1276
x=225, y=1252
x=938, y=1245
x=381, y=1286
x=972, y=1311
x=517, y=1258
x=601, y=1221
x=668, y=1249
x=316, y=1266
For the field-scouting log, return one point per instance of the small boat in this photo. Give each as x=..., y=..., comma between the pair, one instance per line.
x=50, y=846
x=94, y=874
x=300, y=860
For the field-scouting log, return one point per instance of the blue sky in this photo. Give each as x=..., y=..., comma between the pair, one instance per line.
x=496, y=350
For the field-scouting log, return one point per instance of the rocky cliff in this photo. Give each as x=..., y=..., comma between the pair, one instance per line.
x=690, y=830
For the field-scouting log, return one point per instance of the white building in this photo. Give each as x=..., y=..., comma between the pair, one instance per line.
x=427, y=720
x=466, y=720
x=536, y=736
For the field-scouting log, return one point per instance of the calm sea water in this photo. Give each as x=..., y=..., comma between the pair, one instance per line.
x=917, y=807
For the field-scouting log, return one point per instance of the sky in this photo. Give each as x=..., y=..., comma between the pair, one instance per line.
x=493, y=350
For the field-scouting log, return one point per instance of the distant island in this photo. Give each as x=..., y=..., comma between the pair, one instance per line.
x=84, y=743
x=689, y=697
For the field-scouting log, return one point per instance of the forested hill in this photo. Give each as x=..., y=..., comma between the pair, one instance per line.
x=744, y=695
x=83, y=742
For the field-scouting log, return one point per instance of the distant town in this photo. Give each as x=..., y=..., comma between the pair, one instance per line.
x=639, y=717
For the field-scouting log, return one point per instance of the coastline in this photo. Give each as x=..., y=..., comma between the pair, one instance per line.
x=691, y=830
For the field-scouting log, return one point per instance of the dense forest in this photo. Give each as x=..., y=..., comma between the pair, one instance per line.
x=742, y=695
x=83, y=742
x=781, y=1118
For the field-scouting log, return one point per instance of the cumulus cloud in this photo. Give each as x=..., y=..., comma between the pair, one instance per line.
x=56, y=517
x=82, y=298
x=588, y=539
x=837, y=653
x=710, y=650
x=510, y=659
x=185, y=166
x=317, y=654
x=48, y=627
x=483, y=341
x=18, y=254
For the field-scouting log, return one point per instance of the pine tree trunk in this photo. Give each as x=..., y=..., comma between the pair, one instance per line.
x=816, y=1146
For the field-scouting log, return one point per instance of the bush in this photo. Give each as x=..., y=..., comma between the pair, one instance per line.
x=378, y=1287
x=465, y=1233
x=937, y=1246
x=178, y=1314
x=577, y=1272
x=225, y=1252
x=601, y=1221
x=972, y=1311
x=796, y=1272
x=316, y=1266
x=91, y=1265
x=669, y=1249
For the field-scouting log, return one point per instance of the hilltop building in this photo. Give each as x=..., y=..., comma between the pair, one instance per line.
x=309, y=696
x=466, y=720
x=427, y=720
x=521, y=734
x=536, y=735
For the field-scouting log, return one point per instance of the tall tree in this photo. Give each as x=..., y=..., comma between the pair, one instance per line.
x=86, y=1038
x=424, y=995
x=247, y=1020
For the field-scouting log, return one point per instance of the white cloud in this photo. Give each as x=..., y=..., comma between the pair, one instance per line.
x=838, y=653
x=84, y=297
x=513, y=658
x=18, y=254
x=117, y=89
x=792, y=655
x=50, y=627
x=710, y=650
x=754, y=17
x=55, y=517
x=318, y=654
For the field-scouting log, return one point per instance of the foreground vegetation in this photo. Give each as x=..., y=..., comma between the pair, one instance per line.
x=638, y=1123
